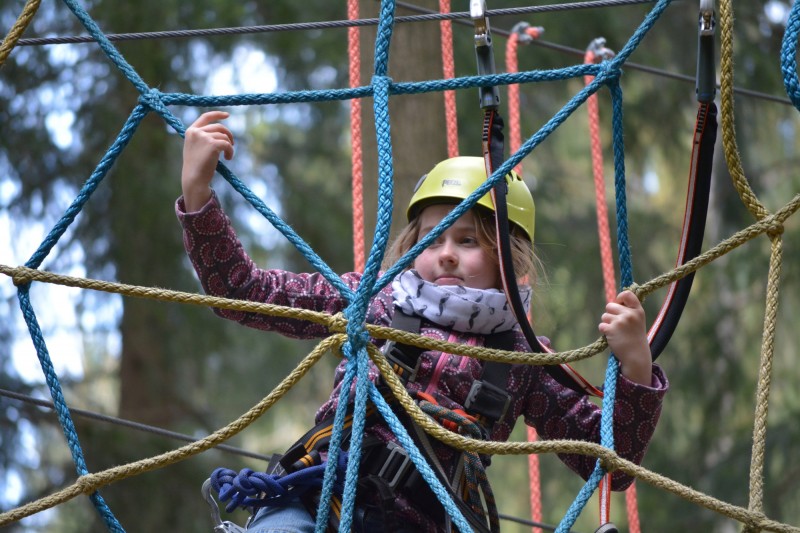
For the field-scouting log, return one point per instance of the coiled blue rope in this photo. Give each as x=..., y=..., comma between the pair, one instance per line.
x=250, y=489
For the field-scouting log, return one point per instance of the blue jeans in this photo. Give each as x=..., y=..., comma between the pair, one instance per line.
x=293, y=518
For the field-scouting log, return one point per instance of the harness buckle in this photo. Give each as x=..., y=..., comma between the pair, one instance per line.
x=489, y=97
x=399, y=362
x=488, y=401
x=396, y=466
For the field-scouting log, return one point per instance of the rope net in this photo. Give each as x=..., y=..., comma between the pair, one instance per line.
x=349, y=332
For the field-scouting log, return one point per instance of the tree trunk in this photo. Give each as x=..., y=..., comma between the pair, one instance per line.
x=418, y=129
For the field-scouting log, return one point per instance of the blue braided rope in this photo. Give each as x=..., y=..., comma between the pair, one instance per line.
x=359, y=422
x=789, y=56
x=109, y=49
x=395, y=89
x=64, y=418
x=334, y=447
x=626, y=279
x=355, y=348
x=287, y=231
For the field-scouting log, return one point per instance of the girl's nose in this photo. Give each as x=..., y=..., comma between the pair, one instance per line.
x=447, y=253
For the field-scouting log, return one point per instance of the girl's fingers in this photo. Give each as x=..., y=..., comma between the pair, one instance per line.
x=210, y=116
x=218, y=128
x=628, y=299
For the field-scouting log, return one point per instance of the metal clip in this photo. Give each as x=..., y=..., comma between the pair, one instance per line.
x=523, y=36
x=219, y=525
x=708, y=20
x=489, y=96
x=396, y=465
x=706, y=72
x=599, y=49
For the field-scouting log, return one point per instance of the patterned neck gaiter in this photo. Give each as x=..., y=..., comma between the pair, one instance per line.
x=463, y=309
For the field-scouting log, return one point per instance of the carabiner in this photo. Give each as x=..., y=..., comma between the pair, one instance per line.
x=706, y=71
x=526, y=33
x=707, y=19
x=220, y=526
x=489, y=96
x=599, y=49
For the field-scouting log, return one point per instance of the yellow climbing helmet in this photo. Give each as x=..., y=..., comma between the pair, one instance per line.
x=454, y=179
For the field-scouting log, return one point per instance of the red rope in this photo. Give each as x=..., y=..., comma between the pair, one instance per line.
x=354, y=55
x=633, y=509
x=449, y=72
x=609, y=278
x=515, y=139
x=512, y=65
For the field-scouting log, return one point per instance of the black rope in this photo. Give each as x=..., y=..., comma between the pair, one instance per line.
x=129, y=424
x=523, y=521
x=628, y=64
x=427, y=15
x=305, y=26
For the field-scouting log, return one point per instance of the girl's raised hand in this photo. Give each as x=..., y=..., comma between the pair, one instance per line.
x=205, y=140
x=624, y=327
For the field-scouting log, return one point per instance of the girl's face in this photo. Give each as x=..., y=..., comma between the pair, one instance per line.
x=456, y=257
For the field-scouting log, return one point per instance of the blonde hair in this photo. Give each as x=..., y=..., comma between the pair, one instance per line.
x=526, y=264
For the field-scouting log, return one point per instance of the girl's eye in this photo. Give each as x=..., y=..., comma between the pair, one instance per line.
x=469, y=241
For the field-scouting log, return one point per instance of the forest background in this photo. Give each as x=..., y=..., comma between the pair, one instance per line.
x=183, y=369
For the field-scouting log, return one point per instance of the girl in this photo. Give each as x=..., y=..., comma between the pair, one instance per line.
x=453, y=293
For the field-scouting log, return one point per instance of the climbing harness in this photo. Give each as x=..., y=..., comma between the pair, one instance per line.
x=385, y=467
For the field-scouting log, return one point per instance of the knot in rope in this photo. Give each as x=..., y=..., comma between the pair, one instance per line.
x=776, y=228
x=636, y=289
x=357, y=335
x=152, y=99
x=337, y=323
x=86, y=484
x=21, y=276
x=609, y=72
x=609, y=460
x=250, y=489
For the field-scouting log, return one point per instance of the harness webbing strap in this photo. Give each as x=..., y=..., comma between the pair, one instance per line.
x=488, y=397
x=404, y=357
x=694, y=224
x=493, y=158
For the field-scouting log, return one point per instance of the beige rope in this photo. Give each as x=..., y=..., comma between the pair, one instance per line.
x=726, y=113
x=748, y=197
x=610, y=460
x=18, y=29
x=752, y=518
x=89, y=483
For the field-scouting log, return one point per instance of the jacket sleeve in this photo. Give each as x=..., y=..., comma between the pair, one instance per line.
x=225, y=270
x=558, y=412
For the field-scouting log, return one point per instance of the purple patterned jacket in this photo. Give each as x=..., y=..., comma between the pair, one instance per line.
x=556, y=412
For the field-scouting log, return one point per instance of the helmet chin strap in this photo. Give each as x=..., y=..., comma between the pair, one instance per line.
x=493, y=147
